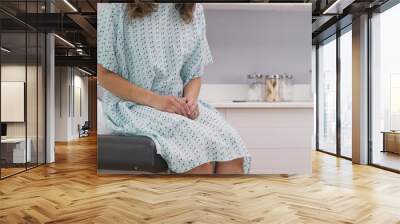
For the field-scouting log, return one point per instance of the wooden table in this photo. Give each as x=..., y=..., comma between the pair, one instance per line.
x=391, y=141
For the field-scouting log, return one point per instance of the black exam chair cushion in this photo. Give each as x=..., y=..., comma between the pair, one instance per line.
x=128, y=153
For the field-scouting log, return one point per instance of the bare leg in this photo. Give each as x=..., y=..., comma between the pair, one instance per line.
x=206, y=168
x=230, y=167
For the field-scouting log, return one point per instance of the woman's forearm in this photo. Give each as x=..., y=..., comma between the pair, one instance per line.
x=192, y=89
x=123, y=88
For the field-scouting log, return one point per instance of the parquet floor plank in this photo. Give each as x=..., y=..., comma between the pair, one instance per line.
x=70, y=191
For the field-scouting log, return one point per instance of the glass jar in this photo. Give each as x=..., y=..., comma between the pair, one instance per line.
x=287, y=88
x=260, y=87
x=255, y=84
x=272, y=88
x=252, y=93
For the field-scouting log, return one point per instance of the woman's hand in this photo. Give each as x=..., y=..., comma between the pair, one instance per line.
x=193, y=108
x=170, y=104
x=191, y=93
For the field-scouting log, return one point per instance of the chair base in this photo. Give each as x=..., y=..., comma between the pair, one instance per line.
x=128, y=153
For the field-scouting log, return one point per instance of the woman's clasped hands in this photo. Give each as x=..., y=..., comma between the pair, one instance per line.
x=179, y=105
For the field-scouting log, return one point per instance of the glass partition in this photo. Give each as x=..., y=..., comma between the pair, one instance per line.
x=385, y=89
x=13, y=94
x=327, y=96
x=31, y=99
x=335, y=94
x=22, y=64
x=346, y=93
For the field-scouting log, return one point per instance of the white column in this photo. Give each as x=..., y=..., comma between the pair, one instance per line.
x=50, y=92
x=50, y=100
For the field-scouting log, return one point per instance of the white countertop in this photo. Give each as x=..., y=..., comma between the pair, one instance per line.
x=13, y=140
x=229, y=104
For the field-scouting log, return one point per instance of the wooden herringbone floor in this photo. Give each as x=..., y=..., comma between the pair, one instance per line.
x=70, y=191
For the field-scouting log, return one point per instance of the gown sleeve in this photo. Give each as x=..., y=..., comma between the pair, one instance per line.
x=201, y=56
x=107, y=25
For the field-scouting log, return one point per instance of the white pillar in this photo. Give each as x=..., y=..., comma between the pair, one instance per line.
x=50, y=99
x=50, y=92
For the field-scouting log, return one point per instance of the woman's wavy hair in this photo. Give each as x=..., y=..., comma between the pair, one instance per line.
x=141, y=9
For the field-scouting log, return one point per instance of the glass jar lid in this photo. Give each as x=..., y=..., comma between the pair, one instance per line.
x=251, y=76
x=259, y=76
x=276, y=76
x=287, y=76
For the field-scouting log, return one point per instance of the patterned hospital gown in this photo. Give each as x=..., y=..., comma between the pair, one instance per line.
x=162, y=53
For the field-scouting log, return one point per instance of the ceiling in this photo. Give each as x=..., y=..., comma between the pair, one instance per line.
x=75, y=21
x=76, y=24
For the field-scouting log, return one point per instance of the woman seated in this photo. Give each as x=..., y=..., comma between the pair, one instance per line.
x=150, y=61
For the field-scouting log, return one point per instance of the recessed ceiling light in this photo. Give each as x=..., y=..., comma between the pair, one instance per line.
x=70, y=5
x=64, y=40
x=84, y=71
x=5, y=50
x=337, y=7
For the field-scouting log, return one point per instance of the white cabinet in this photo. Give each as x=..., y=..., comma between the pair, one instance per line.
x=277, y=135
x=17, y=146
x=222, y=112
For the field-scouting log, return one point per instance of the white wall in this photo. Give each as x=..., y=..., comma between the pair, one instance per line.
x=14, y=73
x=13, y=101
x=61, y=103
x=314, y=91
x=81, y=84
x=17, y=73
x=67, y=114
x=34, y=125
x=268, y=38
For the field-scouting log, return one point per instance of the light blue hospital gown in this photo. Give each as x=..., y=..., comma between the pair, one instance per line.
x=161, y=53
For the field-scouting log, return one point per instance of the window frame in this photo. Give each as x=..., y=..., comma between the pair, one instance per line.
x=334, y=37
